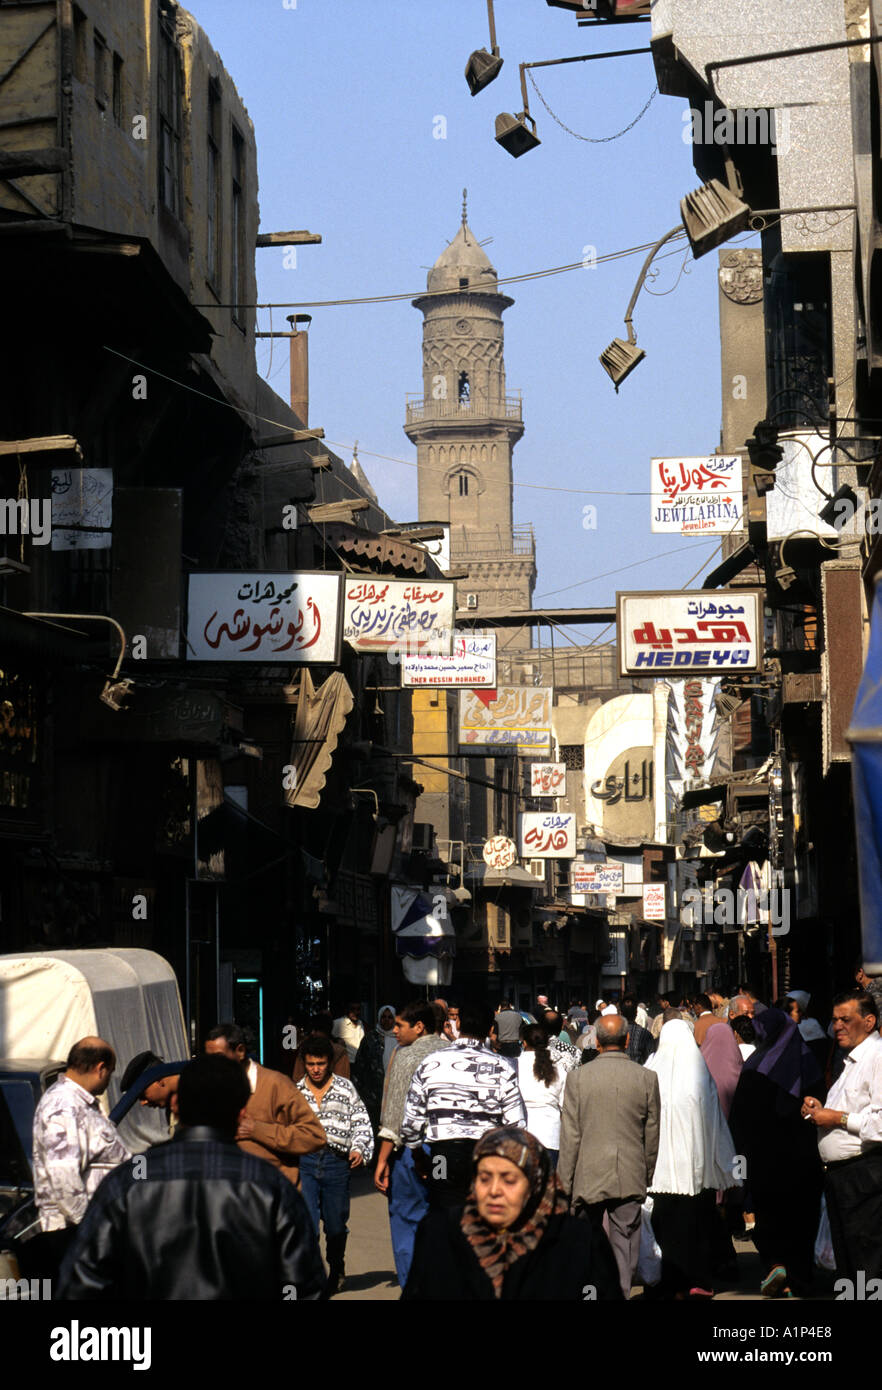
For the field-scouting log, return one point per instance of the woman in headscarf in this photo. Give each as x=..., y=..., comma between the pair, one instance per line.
x=724, y=1062
x=372, y=1062
x=514, y=1238
x=696, y=1159
x=784, y=1170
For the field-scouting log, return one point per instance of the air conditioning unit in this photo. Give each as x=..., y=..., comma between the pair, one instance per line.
x=471, y=600
x=537, y=868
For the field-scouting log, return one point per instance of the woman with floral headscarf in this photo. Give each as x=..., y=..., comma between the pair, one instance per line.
x=514, y=1238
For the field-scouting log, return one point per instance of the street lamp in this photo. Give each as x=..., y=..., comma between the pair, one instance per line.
x=513, y=132
x=621, y=357
x=483, y=67
x=711, y=215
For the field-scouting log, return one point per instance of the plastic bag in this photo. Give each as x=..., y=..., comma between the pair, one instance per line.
x=824, y=1241
x=649, y=1261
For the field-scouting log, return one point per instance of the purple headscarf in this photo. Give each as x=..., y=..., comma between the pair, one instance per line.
x=723, y=1057
x=784, y=1058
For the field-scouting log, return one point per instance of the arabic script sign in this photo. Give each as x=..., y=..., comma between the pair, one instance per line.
x=548, y=779
x=383, y=613
x=714, y=630
x=697, y=495
x=518, y=716
x=500, y=852
x=472, y=662
x=547, y=836
x=597, y=878
x=654, y=902
x=264, y=617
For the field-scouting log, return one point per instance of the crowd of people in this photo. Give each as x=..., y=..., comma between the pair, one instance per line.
x=523, y=1155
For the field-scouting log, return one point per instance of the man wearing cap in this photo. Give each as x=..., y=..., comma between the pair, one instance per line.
x=159, y=1091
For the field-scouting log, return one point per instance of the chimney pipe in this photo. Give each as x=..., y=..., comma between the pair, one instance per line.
x=299, y=365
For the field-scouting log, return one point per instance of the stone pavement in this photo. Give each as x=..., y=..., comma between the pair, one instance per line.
x=370, y=1269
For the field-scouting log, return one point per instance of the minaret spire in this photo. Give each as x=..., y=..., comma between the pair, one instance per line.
x=465, y=197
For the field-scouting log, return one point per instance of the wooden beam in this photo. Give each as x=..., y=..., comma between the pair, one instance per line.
x=40, y=444
x=337, y=511
x=320, y=462
x=288, y=238
x=16, y=164
x=277, y=441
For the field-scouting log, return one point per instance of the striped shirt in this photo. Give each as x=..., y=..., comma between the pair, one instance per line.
x=343, y=1117
x=460, y=1093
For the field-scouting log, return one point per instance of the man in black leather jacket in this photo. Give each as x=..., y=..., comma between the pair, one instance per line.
x=196, y=1218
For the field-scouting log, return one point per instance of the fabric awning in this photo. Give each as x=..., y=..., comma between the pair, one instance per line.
x=865, y=736
x=318, y=723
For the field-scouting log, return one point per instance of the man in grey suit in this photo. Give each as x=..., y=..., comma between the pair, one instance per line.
x=609, y=1141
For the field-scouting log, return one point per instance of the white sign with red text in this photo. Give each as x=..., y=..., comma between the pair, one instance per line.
x=401, y=614
x=547, y=835
x=264, y=617
x=697, y=496
x=668, y=634
x=548, y=779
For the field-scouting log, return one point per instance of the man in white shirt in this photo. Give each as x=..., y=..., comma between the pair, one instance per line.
x=350, y=1030
x=75, y=1144
x=850, y=1138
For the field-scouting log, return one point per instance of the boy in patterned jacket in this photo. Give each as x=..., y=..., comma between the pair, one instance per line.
x=325, y=1175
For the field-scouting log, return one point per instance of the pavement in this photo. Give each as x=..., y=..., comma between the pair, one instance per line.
x=370, y=1268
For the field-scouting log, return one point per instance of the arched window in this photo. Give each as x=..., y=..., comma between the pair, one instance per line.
x=463, y=484
x=463, y=389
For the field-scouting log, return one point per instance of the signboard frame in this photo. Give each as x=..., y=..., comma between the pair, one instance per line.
x=718, y=643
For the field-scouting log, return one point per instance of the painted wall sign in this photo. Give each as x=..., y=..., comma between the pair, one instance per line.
x=675, y=633
x=264, y=617
x=380, y=614
x=547, y=835
x=517, y=716
x=548, y=779
x=697, y=496
x=471, y=664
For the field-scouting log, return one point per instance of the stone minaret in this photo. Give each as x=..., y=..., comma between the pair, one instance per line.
x=465, y=429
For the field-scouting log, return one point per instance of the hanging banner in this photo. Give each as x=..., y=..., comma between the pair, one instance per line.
x=517, y=716
x=547, y=836
x=548, y=779
x=672, y=633
x=264, y=617
x=697, y=496
x=471, y=664
x=82, y=508
x=386, y=614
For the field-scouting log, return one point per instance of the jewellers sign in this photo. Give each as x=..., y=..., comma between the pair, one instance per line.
x=384, y=615
x=547, y=836
x=715, y=630
x=264, y=617
x=697, y=496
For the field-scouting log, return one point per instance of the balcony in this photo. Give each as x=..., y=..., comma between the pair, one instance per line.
x=465, y=543
x=421, y=410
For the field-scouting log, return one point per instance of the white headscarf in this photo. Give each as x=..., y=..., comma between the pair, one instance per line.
x=695, y=1147
x=387, y=1034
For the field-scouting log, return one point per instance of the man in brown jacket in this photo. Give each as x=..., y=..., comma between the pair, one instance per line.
x=609, y=1141
x=278, y=1123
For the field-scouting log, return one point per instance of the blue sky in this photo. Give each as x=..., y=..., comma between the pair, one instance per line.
x=344, y=100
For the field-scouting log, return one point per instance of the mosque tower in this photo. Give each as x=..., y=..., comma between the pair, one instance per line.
x=465, y=428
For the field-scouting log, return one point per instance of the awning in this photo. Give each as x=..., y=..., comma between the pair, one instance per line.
x=318, y=723
x=865, y=735
x=734, y=564
x=381, y=550
x=513, y=877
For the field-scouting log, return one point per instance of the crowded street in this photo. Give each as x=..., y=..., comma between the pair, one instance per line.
x=440, y=670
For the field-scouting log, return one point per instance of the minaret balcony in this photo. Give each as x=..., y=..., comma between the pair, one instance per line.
x=423, y=410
